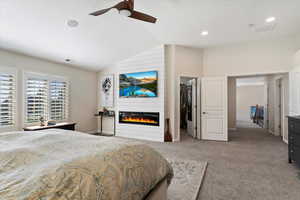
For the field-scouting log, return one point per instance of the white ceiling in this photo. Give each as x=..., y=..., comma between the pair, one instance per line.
x=38, y=27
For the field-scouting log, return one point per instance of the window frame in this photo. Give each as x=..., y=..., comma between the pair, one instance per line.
x=49, y=78
x=12, y=71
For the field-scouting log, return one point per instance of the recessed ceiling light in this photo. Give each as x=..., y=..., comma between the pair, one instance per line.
x=204, y=33
x=72, y=23
x=270, y=19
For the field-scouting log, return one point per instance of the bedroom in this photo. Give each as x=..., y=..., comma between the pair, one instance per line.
x=56, y=47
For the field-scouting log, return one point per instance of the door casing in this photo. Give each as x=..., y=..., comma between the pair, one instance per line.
x=198, y=107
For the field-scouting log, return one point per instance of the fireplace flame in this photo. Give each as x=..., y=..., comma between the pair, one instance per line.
x=139, y=120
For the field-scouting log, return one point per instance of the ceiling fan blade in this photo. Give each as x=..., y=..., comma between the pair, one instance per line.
x=119, y=6
x=143, y=17
x=131, y=4
x=100, y=12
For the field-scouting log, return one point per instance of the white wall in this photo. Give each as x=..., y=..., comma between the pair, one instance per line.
x=295, y=86
x=296, y=60
x=247, y=58
x=82, y=87
x=248, y=96
x=172, y=61
x=260, y=57
x=180, y=61
x=151, y=60
x=267, y=56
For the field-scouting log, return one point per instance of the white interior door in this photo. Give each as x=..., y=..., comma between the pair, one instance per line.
x=214, y=108
x=192, y=122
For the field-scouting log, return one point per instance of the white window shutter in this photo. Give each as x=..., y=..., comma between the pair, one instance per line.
x=36, y=99
x=7, y=99
x=58, y=100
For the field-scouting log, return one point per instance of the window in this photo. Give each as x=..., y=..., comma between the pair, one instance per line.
x=37, y=99
x=7, y=99
x=58, y=100
x=46, y=97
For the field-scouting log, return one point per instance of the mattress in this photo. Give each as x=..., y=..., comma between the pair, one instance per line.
x=58, y=164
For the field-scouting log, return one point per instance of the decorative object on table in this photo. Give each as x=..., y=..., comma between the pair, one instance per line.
x=168, y=135
x=43, y=121
x=187, y=180
x=106, y=113
x=139, y=84
x=51, y=123
x=107, y=91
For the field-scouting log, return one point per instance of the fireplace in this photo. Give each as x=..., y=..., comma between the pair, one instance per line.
x=142, y=118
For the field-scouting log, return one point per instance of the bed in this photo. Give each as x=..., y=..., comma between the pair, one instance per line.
x=58, y=164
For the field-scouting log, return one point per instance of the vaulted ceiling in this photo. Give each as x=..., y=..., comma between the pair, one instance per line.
x=39, y=27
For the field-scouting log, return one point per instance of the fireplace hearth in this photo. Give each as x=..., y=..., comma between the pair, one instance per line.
x=140, y=118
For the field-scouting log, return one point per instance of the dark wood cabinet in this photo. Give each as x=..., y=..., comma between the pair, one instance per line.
x=64, y=125
x=294, y=139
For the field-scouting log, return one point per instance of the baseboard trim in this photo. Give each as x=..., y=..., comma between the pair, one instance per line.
x=91, y=132
x=176, y=140
x=232, y=129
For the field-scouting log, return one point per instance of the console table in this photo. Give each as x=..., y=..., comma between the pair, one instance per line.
x=110, y=114
x=294, y=139
x=63, y=125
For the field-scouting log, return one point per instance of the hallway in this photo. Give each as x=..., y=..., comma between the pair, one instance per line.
x=252, y=166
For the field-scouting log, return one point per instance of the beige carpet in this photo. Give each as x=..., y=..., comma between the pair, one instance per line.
x=253, y=165
x=188, y=177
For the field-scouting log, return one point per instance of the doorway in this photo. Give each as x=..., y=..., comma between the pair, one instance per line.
x=188, y=107
x=251, y=102
x=261, y=101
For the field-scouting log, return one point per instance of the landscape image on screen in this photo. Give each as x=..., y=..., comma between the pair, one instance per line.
x=140, y=84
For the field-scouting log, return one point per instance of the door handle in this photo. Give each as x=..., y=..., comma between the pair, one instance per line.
x=204, y=113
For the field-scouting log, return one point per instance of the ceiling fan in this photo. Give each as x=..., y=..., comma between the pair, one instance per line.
x=126, y=8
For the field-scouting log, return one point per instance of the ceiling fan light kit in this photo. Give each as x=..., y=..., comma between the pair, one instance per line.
x=126, y=8
x=125, y=12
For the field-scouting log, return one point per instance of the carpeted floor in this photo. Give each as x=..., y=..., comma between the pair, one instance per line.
x=246, y=124
x=252, y=166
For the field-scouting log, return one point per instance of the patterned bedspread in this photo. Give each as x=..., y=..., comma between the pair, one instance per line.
x=66, y=165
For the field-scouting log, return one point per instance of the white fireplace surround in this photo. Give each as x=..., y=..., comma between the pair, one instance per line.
x=153, y=60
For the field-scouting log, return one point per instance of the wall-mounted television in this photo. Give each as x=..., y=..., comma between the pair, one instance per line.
x=139, y=84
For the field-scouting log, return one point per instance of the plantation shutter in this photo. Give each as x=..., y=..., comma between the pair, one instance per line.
x=58, y=100
x=37, y=99
x=7, y=99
